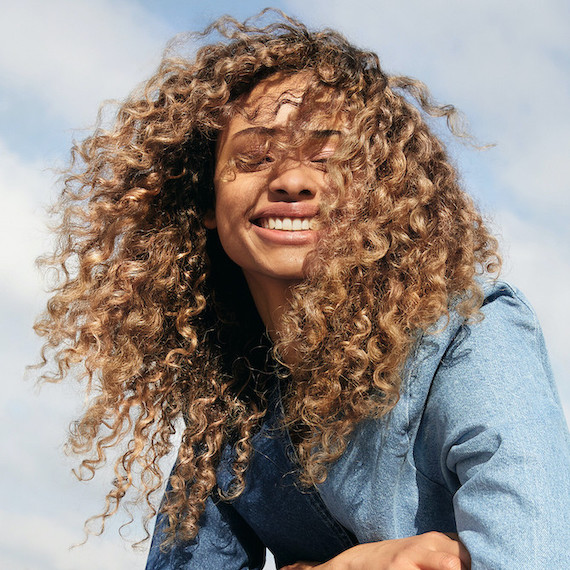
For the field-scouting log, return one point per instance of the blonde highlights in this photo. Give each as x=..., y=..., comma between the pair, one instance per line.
x=158, y=321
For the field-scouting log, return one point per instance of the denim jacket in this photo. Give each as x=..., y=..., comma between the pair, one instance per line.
x=477, y=444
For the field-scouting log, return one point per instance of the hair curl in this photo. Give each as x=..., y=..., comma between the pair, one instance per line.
x=147, y=302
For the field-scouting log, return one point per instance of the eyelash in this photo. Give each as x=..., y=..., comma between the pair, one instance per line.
x=254, y=162
x=320, y=162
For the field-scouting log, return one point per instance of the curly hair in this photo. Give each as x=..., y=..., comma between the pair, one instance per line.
x=154, y=317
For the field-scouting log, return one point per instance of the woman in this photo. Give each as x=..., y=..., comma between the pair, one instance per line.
x=271, y=244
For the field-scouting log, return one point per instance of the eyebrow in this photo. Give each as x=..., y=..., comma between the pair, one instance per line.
x=273, y=131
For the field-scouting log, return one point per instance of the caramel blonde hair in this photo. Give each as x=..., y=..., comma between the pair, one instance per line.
x=158, y=322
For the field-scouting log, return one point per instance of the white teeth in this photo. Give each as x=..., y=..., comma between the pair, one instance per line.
x=289, y=224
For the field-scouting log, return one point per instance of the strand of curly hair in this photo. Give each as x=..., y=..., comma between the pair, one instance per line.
x=151, y=314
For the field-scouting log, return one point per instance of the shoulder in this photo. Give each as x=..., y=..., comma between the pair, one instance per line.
x=496, y=369
x=506, y=311
x=507, y=319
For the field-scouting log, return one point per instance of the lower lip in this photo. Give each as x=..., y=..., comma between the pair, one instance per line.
x=285, y=237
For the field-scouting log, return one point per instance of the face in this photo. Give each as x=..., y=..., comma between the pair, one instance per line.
x=267, y=196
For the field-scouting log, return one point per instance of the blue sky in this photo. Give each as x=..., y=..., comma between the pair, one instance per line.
x=504, y=63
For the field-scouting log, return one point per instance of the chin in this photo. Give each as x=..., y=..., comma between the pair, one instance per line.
x=288, y=275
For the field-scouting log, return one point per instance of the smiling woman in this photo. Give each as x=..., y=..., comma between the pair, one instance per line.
x=271, y=244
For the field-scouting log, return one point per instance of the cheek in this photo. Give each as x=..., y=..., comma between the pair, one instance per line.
x=230, y=212
x=226, y=203
x=237, y=197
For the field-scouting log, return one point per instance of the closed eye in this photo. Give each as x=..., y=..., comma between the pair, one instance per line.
x=319, y=163
x=250, y=162
x=319, y=151
x=320, y=159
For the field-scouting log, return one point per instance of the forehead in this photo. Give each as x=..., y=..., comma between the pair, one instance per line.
x=280, y=101
x=277, y=91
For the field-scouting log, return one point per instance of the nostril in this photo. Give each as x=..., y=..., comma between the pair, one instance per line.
x=305, y=193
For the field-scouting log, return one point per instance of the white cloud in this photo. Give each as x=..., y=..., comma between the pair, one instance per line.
x=25, y=189
x=73, y=54
x=32, y=542
x=44, y=506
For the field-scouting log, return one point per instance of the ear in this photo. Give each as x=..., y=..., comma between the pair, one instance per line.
x=209, y=220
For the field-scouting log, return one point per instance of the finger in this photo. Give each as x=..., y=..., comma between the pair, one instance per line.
x=431, y=560
x=463, y=553
x=446, y=543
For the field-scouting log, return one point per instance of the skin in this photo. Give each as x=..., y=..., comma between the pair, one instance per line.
x=429, y=551
x=253, y=183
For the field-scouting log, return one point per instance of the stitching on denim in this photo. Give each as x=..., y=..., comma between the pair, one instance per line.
x=319, y=506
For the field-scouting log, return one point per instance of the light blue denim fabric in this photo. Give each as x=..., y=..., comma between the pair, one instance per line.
x=477, y=444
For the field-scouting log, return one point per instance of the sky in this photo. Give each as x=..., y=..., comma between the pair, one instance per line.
x=504, y=63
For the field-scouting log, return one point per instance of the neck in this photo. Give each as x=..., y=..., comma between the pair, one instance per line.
x=270, y=296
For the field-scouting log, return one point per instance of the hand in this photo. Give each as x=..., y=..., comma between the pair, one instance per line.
x=429, y=551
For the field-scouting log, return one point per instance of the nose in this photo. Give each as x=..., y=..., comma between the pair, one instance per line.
x=293, y=181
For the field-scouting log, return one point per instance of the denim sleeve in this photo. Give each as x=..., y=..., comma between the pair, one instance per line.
x=494, y=413
x=224, y=541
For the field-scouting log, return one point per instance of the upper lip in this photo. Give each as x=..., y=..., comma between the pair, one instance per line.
x=286, y=210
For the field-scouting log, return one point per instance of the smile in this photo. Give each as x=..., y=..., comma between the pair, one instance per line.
x=287, y=224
